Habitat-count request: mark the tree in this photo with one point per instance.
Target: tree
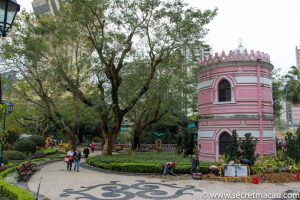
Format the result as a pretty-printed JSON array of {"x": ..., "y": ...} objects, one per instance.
[
  {"x": 124, "y": 32},
  {"x": 29, "y": 55},
  {"x": 233, "y": 148},
  {"x": 90, "y": 45},
  {"x": 248, "y": 147},
  {"x": 277, "y": 93},
  {"x": 292, "y": 145},
  {"x": 292, "y": 86},
  {"x": 163, "y": 95}
]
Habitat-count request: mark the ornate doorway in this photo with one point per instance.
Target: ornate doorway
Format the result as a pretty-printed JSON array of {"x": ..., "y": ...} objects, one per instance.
[{"x": 224, "y": 142}]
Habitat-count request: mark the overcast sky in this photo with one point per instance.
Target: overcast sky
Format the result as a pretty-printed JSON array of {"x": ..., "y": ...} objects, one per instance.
[{"x": 271, "y": 26}]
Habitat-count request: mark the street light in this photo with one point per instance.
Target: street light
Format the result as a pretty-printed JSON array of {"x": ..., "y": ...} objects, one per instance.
[
  {"x": 8, "y": 12},
  {"x": 8, "y": 108}
]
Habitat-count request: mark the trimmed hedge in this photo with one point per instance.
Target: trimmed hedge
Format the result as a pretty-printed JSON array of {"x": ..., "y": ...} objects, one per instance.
[
  {"x": 14, "y": 155},
  {"x": 38, "y": 140},
  {"x": 26, "y": 146},
  {"x": 10, "y": 191},
  {"x": 142, "y": 167}
]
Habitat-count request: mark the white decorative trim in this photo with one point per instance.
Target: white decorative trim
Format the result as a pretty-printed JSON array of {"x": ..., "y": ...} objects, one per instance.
[
  {"x": 205, "y": 134},
  {"x": 255, "y": 133},
  {"x": 253, "y": 80},
  {"x": 266, "y": 81},
  {"x": 204, "y": 84},
  {"x": 235, "y": 56},
  {"x": 225, "y": 102},
  {"x": 216, "y": 82},
  {"x": 217, "y": 151},
  {"x": 269, "y": 133},
  {"x": 246, "y": 79}
]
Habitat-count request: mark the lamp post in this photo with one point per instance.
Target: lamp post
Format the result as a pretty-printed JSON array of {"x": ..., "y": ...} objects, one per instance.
[
  {"x": 8, "y": 108},
  {"x": 8, "y": 12}
]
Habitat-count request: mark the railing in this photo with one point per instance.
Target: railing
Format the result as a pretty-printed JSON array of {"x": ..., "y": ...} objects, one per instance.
[{"x": 165, "y": 147}]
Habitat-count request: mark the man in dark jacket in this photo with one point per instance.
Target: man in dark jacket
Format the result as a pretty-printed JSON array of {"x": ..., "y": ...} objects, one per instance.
[
  {"x": 86, "y": 152},
  {"x": 77, "y": 157}
]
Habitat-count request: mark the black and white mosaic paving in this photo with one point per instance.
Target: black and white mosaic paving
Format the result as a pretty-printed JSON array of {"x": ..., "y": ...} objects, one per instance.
[{"x": 140, "y": 190}]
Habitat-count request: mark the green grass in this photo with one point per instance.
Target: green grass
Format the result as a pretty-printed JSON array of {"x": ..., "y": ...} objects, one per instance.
[
  {"x": 145, "y": 162},
  {"x": 146, "y": 157}
]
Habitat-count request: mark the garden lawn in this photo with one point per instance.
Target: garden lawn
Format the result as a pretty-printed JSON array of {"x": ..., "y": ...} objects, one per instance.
[
  {"x": 147, "y": 157},
  {"x": 145, "y": 162}
]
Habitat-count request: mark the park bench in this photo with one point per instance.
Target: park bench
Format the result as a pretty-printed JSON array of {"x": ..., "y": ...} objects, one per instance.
[
  {"x": 26, "y": 169},
  {"x": 31, "y": 166}
]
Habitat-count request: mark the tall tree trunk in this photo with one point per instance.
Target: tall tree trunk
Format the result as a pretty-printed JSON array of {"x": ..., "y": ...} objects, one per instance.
[
  {"x": 109, "y": 143},
  {"x": 71, "y": 137},
  {"x": 136, "y": 139}
]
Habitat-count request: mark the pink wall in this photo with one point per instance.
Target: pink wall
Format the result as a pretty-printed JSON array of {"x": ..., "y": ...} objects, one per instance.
[{"x": 242, "y": 111}]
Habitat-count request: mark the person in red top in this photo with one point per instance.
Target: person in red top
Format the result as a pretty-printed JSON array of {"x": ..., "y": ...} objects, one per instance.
[
  {"x": 93, "y": 145},
  {"x": 70, "y": 159},
  {"x": 169, "y": 167}
]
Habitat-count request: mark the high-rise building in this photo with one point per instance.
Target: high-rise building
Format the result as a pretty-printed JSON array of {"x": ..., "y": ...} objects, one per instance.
[
  {"x": 293, "y": 110},
  {"x": 298, "y": 56},
  {"x": 45, "y": 7}
]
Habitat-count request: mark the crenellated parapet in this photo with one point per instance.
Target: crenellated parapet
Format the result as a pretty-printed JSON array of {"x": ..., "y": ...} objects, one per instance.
[{"x": 235, "y": 56}]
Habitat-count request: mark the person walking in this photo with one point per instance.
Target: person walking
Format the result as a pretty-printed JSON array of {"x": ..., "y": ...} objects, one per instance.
[
  {"x": 93, "y": 145},
  {"x": 77, "y": 157},
  {"x": 86, "y": 152},
  {"x": 70, "y": 159}
]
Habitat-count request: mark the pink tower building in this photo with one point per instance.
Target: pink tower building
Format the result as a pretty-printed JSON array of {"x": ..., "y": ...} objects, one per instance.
[{"x": 235, "y": 93}]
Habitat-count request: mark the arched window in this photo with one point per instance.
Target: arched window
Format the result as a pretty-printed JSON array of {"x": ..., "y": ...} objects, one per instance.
[
  {"x": 224, "y": 91},
  {"x": 224, "y": 142}
]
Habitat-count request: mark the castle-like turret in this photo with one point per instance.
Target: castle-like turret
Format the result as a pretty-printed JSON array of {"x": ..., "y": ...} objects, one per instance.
[{"x": 235, "y": 93}]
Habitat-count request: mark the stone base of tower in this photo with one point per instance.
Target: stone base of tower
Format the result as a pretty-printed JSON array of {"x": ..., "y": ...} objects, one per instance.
[{"x": 210, "y": 149}]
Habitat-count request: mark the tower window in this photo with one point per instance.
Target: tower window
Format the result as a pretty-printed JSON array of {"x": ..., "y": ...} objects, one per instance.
[{"x": 224, "y": 91}]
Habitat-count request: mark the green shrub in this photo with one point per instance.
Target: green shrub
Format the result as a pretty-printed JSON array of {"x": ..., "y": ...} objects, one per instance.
[
  {"x": 292, "y": 145},
  {"x": 26, "y": 146},
  {"x": 96, "y": 139},
  {"x": 137, "y": 167},
  {"x": 38, "y": 140},
  {"x": 10, "y": 191},
  {"x": 12, "y": 135},
  {"x": 14, "y": 155}
]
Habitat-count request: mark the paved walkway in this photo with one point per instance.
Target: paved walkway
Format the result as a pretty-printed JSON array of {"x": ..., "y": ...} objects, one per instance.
[{"x": 59, "y": 184}]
